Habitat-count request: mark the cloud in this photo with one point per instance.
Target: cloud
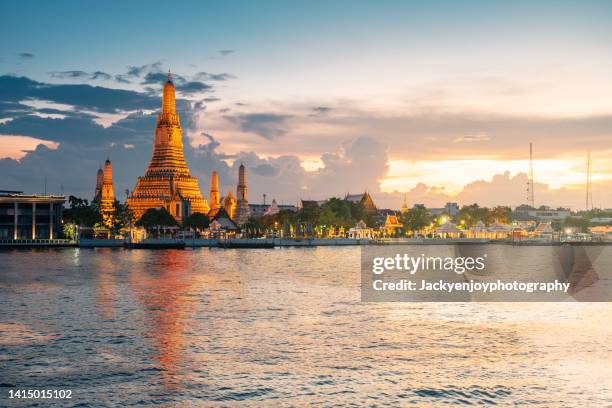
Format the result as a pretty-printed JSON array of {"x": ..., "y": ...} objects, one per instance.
[
  {"x": 267, "y": 125},
  {"x": 226, "y": 52},
  {"x": 101, "y": 75},
  {"x": 192, "y": 87},
  {"x": 25, "y": 55},
  {"x": 69, "y": 74},
  {"x": 478, "y": 137},
  {"x": 139, "y": 70},
  {"x": 82, "y": 96},
  {"x": 321, "y": 110},
  {"x": 223, "y": 76},
  {"x": 82, "y": 75}
]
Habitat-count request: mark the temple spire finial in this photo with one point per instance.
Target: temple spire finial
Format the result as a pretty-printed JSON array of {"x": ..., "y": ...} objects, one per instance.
[{"x": 169, "y": 75}]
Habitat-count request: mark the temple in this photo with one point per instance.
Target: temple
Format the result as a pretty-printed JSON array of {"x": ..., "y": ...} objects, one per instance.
[
  {"x": 107, "y": 195},
  {"x": 242, "y": 202},
  {"x": 215, "y": 198},
  {"x": 99, "y": 182},
  {"x": 167, "y": 182}
]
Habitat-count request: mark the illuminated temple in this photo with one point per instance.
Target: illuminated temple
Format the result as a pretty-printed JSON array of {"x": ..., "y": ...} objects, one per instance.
[{"x": 167, "y": 182}]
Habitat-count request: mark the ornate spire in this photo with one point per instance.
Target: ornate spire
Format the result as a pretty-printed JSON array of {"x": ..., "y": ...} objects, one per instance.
[{"x": 169, "y": 75}]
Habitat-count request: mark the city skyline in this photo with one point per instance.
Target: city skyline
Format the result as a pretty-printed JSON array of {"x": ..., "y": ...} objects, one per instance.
[{"x": 440, "y": 101}]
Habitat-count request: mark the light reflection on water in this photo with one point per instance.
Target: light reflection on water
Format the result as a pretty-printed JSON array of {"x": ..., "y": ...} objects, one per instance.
[{"x": 280, "y": 327}]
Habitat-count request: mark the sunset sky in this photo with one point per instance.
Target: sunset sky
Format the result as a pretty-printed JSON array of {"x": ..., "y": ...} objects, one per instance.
[{"x": 437, "y": 99}]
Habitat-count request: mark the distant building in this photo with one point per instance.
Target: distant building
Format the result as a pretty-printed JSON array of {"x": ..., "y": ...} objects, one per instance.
[
  {"x": 259, "y": 210},
  {"x": 451, "y": 209},
  {"x": 542, "y": 214},
  {"x": 272, "y": 209},
  {"x": 25, "y": 216}
]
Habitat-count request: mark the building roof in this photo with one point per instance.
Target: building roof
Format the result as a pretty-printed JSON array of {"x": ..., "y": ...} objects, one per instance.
[
  {"x": 224, "y": 221},
  {"x": 447, "y": 227},
  {"x": 18, "y": 196}
]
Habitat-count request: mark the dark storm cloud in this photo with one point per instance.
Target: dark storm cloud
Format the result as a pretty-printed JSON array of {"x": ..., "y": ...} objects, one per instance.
[
  {"x": 101, "y": 75},
  {"x": 122, "y": 79},
  {"x": 26, "y": 55},
  {"x": 77, "y": 74},
  {"x": 137, "y": 71},
  {"x": 267, "y": 125},
  {"x": 223, "y": 76},
  {"x": 157, "y": 78},
  {"x": 192, "y": 87},
  {"x": 82, "y": 96}
]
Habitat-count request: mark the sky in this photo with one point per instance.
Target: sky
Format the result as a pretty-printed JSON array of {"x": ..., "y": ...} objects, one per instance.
[{"x": 438, "y": 100}]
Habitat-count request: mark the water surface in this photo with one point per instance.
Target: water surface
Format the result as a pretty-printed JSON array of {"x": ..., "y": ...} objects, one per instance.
[{"x": 285, "y": 326}]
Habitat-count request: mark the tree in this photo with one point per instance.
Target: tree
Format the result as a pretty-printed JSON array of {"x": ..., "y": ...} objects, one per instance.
[
  {"x": 81, "y": 213},
  {"x": 471, "y": 214},
  {"x": 156, "y": 217},
  {"x": 415, "y": 219},
  {"x": 196, "y": 221},
  {"x": 253, "y": 228},
  {"x": 502, "y": 214}
]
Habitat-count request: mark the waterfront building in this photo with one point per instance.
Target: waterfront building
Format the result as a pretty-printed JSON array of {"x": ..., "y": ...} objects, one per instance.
[
  {"x": 215, "y": 198},
  {"x": 107, "y": 196},
  {"x": 448, "y": 230},
  {"x": 360, "y": 231},
  {"x": 542, "y": 214},
  {"x": 25, "y": 216},
  {"x": 242, "y": 198},
  {"x": 99, "y": 182},
  {"x": 391, "y": 225},
  {"x": 452, "y": 209},
  {"x": 167, "y": 182}
]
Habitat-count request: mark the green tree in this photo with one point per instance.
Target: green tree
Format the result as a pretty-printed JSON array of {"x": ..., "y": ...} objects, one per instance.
[
  {"x": 502, "y": 214},
  {"x": 81, "y": 213},
  {"x": 253, "y": 228},
  {"x": 471, "y": 214},
  {"x": 578, "y": 223},
  {"x": 415, "y": 219},
  {"x": 196, "y": 221},
  {"x": 155, "y": 218}
]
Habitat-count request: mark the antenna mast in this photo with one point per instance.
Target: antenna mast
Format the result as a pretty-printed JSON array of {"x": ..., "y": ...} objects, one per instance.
[
  {"x": 589, "y": 193},
  {"x": 530, "y": 186}
]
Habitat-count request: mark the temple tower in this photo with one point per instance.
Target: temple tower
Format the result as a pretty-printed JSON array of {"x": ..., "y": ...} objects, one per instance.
[
  {"x": 167, "y": 182},
  {"x": 99, "y": 182},
  {"x": 215, "y": 198},
  {"x": 229, "y": 205},
  {"x": 107, "y": 200},
  {"x": 242, "y": 197}
]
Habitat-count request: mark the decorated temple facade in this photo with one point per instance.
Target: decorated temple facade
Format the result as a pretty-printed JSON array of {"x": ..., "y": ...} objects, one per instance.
[
  {"x": 107, "y": 195},
  {"x": 167, "y": 182}
]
